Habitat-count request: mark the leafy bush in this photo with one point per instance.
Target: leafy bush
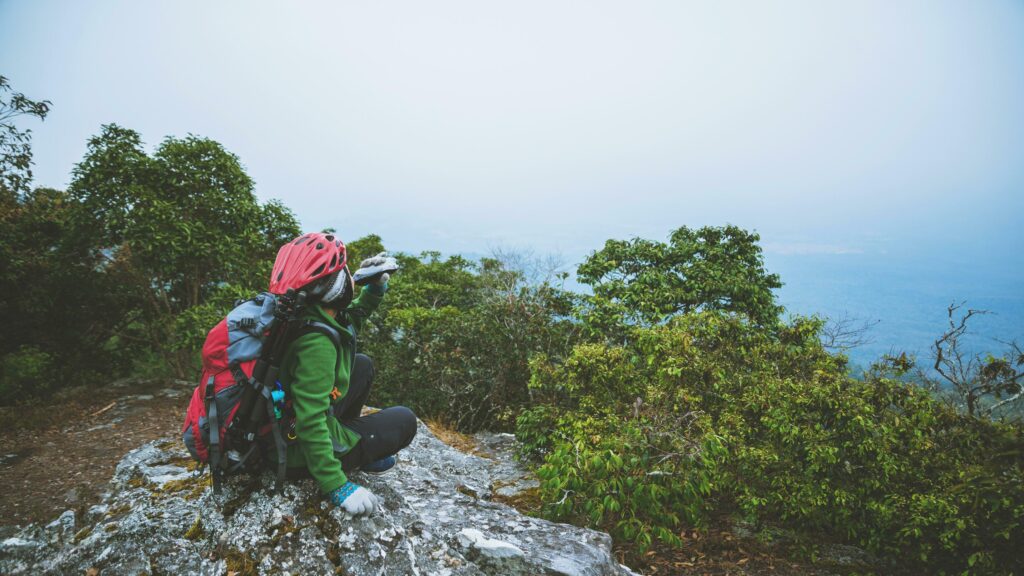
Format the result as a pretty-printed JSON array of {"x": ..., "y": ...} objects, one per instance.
[
  {"x": 24, "y": 370},
  {"x": 635, "y": 490},
  {"x": 611, "y": 462},
  {"x": 534, "y": 430},
  {"x": 877, "y": 462},
  {"x": 769, "y": 426}
]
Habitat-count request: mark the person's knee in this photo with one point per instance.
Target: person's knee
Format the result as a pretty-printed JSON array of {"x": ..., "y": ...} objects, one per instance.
[{"x": 406, "y": 422}]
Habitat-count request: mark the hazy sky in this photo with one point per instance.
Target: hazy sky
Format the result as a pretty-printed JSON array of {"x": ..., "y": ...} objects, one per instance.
[{"x": 830, "y": 127}]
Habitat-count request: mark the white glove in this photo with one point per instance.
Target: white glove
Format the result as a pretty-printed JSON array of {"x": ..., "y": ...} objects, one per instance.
[
  {"x": 376, "y": 270},
  {"x": 374, "y": 260},
  {"x": 354, "y": 499}
]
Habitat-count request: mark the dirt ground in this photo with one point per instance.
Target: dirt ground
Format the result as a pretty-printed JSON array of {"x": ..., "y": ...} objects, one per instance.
[
  {"x": 62, "y": 456},
  {"x": 716, "y": 551}
]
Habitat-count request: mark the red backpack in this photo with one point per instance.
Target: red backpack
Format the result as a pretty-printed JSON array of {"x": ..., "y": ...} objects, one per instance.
[{"x": 239, "y": 408}]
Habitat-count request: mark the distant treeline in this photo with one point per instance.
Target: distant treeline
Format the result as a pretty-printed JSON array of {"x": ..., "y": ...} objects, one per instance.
[{"x": 673, "y": 394}]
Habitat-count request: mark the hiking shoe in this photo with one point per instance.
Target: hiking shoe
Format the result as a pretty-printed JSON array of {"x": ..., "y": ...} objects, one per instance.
[{"x": 379, "y": 467}]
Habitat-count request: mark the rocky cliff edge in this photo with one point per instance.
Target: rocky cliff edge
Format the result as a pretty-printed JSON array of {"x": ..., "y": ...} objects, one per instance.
[{"x": 438, "y": 517}]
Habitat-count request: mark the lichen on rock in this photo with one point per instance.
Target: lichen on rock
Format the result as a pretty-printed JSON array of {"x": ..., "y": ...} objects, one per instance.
[{"x": 437, "y": 517}]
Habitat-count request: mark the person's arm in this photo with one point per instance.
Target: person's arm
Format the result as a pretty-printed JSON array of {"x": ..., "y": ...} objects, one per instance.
[
  {"x": 368, "y": 300},
  {"x": 311, "y": 387}
]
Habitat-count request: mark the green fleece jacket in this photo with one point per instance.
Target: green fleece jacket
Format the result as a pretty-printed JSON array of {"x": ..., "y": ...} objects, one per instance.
[{"x": 308, "y": 371}]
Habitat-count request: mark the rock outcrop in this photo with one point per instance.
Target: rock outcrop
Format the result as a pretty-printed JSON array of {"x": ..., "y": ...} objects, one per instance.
[{"x": 160, "y": 517}]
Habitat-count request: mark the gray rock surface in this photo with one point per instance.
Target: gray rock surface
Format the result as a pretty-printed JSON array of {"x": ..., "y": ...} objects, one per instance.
[
  {"x": 508, "y": 477},
  {"x": 437, "y": 518}
]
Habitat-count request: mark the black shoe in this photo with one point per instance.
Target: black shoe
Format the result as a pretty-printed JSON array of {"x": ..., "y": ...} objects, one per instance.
[{"x": 379, "y": 467}]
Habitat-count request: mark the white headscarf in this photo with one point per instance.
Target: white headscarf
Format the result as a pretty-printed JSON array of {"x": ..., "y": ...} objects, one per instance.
[{"x": 338, "y": 287}]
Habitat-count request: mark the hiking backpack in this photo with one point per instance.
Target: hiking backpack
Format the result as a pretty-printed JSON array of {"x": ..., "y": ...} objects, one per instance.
[{"x": 240, "y": 412}]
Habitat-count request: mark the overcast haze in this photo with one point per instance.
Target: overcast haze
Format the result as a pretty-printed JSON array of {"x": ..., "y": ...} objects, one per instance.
[{"x": 831, "y": 128}]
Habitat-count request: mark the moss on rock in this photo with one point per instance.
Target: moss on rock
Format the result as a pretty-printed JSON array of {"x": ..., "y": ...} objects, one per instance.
[{"x": 196, "y": 531}]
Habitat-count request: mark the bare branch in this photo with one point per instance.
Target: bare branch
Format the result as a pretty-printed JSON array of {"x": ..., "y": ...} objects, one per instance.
[
  {"x": 847, "y": 332},
  {"x": 1005, "y": 401},
  {"x": 982, "y": 386}
]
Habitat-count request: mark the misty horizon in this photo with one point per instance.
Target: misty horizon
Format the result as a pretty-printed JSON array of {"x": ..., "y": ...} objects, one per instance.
[{"x": 874, "y": 142}]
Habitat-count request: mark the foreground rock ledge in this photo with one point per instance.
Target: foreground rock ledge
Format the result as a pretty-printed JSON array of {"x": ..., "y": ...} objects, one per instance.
[{"x": 160, "y": 518}]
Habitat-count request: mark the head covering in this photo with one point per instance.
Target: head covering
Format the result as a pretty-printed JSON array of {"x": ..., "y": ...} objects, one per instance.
[
  {"x": 305, "y": 260},
  {"x": 337, "y": 286}
]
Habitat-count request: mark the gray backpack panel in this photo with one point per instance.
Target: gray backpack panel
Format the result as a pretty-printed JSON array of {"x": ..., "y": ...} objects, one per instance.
[{"x": 247, "y": 324}]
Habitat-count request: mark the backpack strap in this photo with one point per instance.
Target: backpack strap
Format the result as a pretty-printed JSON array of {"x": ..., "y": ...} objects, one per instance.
[
  {"x": 214, "y": 445},
  {"x": 351, "y": 330},
  {"x": 234, "y": 465},
  {"x": 282, "y": 447},
  {"x": 312, "y": 326}
]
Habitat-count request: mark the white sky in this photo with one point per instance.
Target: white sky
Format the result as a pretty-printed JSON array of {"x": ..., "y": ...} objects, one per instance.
[{"x": 830, "y": 127}]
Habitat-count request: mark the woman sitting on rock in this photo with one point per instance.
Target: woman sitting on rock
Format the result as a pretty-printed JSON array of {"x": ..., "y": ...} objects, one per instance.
[{"x": 329, "y": 384}]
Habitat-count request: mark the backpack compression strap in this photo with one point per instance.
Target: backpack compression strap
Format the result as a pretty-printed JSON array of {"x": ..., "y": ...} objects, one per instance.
[
  {"x": 282, "y": 448},
  {"x": 214, "y": 445},
  {"x": 233, "y": 465}
]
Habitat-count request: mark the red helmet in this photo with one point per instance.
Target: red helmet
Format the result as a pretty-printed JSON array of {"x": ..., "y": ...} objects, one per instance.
[{"x": 307, "y": 258}]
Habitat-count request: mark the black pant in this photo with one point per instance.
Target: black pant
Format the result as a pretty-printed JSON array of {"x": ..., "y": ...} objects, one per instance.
[{"x": 382, "y": 433}]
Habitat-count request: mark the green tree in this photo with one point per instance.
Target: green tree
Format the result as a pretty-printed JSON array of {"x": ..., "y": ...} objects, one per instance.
[
  {"x": 184, "y": 221},
  {"x": 644, "y": 282},
  {"x": 15, "y": 144},
  {"x": 61, "y": 302}
]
